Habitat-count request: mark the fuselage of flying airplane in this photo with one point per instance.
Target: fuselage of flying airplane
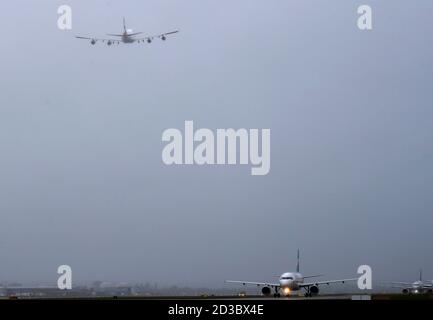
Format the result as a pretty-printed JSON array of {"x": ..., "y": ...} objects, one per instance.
[{"x": 126, "y": 38}]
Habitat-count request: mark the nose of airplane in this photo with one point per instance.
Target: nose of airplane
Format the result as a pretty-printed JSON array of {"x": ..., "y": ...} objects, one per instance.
[{"x": 286, "y": 282}]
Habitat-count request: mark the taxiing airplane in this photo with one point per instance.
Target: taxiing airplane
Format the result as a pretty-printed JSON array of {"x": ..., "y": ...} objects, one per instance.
[
  {"x": 414, "y": 287},
  {"x": 128, "y": 36},
  {"x": 292, "y": 281}
]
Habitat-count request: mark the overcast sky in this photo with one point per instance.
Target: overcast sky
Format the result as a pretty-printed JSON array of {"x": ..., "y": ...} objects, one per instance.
[{"x": 350, "y": 112}]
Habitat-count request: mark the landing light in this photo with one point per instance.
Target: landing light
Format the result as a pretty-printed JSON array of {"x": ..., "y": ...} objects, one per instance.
[{"x": 286, "y": 291}]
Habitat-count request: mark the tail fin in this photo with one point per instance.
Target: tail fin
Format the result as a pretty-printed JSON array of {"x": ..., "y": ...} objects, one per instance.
[
  {"x": 420, "y": 274},
  {"x": 124, "y": 24},
  {"x": 297, "y": 265}
]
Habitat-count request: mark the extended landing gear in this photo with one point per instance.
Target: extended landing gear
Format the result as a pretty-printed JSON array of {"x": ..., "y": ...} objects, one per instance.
[
  {"x": 277, "y": 294},
  {"x": 311, "y": 291},
  {"x": 308, "y": 293}
]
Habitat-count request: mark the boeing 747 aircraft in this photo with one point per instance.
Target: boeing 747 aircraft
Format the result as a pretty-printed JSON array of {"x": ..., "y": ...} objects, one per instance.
[{"x": 128, "y": 36}]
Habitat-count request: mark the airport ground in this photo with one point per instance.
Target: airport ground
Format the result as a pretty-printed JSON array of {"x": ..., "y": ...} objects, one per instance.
[{"x": 246, "y": 297}]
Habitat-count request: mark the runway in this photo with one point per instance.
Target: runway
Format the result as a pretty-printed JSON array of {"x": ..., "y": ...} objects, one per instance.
[
  {"x": 208, "y": 298},
  {"x": 324, "y": 297}
]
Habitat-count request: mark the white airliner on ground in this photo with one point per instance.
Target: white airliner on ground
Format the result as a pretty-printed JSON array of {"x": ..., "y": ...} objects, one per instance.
[
  {"x": 414, "y": 287},
  {"x": 128, "y": 37},
  {"x": 292, "y": 281}
]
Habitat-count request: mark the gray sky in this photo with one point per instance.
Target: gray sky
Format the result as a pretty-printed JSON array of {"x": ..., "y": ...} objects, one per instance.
[{"x": 81, "y": 176}]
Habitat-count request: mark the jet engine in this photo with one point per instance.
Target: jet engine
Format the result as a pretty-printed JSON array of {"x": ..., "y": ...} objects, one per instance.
[
  {"x": 266, "y": 291},
  {"x": 314, "y": 290},
  {"x": 93, "y": 41},
  {"x": 405, "y": 291},
  {"x": 163, "y": 38}
]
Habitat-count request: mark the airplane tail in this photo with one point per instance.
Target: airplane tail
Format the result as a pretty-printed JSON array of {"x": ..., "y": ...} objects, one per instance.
[
  {"x": 309, "y": 276},
  {"x": 420, "y": 274},
  {"x": 124, "y": 24}
]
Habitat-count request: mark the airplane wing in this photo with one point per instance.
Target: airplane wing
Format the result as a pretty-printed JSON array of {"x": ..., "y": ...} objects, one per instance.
[
  {"x": 326, "y": 282},
  {"x": 121, "y": 35},
  {"x": 149, "y": 39},
  {"x": 161, "y": 36},
  {"x": 94, "y": 40},
  {"x": 134, "y": 34},
  {"x": 313, "y": 276},
  {"x": 259, "y": 284},
  {"x": 402, "y": 283},
  {"x": 409, "y": 284},
  {"x": 400, "y": 286}
]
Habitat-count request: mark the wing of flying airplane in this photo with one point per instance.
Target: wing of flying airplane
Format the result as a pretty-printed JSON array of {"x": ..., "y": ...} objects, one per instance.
[
  {"x": 121, "y": 35},
  {"x": 94, "y": 40},
  {"x": 149, "y": 39},
  {"x": 161, "y": 36}
]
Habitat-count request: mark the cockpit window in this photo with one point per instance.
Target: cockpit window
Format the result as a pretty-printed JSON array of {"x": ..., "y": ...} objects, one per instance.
[{"x": 287, "y": 278}]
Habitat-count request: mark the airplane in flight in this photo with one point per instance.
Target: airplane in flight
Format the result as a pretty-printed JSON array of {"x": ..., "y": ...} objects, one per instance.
[
  {"x": 292, "y": 281},
  {"x": 414, "y": 287},
  {"x": 128, "y": 36}
]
